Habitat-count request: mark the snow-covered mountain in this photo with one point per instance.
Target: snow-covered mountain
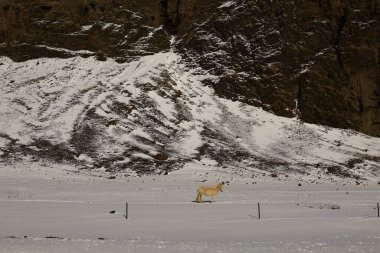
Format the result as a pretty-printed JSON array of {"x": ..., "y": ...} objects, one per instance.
[
  {"x": 270, "y": 54},
  {"x": 148, "y": 86},
  {"x": 154, "y": 115}
]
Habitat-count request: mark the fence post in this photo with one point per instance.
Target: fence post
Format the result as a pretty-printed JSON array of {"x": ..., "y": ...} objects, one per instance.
[
  {"x": 258, "y": 208},
  {"x": 126, "y": 210}
]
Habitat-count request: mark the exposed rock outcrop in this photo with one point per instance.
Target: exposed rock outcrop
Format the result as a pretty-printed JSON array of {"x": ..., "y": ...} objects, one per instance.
[
  {"x": 318, "y": 60},
  {"x": 324, "y": 55},
  {"x": 31, "y": 29}
]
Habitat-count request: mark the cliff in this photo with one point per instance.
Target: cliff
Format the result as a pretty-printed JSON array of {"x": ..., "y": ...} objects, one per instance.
[
  {"x": 149, "y": 86},
  {"x": 323, "y": 54}
]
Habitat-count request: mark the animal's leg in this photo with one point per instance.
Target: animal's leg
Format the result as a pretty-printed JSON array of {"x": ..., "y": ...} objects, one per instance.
[{"x": 198, "y": 198}]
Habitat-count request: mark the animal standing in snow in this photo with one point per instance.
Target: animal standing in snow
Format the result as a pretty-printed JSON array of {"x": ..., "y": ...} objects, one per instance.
[{"x": 209, "y": 191}]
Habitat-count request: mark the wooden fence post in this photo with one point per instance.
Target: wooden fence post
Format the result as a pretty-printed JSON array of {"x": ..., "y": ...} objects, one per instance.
[
  {"x": 258, "y": 208},
  {"x": 126, "y": 211}
]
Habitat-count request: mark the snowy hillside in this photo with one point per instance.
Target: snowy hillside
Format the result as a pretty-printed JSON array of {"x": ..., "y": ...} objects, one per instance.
[{"x": 156, "y": 115}]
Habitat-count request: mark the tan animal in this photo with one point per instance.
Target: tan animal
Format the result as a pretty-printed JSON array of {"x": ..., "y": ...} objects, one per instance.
[{"x": 209, "y": 191}]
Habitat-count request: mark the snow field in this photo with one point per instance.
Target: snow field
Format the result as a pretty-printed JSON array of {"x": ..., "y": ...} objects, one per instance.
[{"x": 38, "y": 202}]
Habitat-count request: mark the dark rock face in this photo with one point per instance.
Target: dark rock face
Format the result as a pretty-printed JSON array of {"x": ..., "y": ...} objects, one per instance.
[
  {"x": 324, "y": 55},
  {"x": 31, "y": 29},
  {"x": 315, "y": 59}
]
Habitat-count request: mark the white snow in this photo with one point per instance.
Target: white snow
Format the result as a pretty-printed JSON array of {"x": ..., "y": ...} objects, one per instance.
[
  {"x": 191, "y": 142},
  {"x": 53, "y": 209},
  {"x": 45, "y": 98},
  {"x": 166, "y": 106},
  {"x": 66, "y": 50},
  {"x": 227, "y": 4},
  {"x": 140, "y": 132},
  {"x": 86, "y": 27}
]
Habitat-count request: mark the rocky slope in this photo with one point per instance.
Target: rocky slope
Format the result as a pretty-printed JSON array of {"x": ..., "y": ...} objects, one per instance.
[
  {"x": 154, "y": 115},
  {"x": 322, "y": 54},
  {"x": 125, "y": 85}
]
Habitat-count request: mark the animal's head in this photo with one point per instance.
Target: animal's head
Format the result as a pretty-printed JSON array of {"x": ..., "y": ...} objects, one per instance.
[{"x": 220, "y": 186}]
